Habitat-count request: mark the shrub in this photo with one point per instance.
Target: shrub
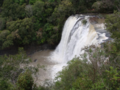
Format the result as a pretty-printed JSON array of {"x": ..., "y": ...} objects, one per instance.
[
  {"x": 25, "y": 81},
  {"x": 84, "y": 22},
  {"x": 90, "y": 73}
]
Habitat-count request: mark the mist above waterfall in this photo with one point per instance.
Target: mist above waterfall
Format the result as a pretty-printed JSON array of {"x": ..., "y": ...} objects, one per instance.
[{"x": 75, "y": 36}]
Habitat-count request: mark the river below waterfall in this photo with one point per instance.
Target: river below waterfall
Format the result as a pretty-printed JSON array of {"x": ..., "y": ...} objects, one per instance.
[
  {"x": 41, "y": 59},
  {"x": 75, "y": 36}
]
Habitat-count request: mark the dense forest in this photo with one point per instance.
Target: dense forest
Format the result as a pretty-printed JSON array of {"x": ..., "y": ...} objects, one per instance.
[{"x": 25, "y": 22}]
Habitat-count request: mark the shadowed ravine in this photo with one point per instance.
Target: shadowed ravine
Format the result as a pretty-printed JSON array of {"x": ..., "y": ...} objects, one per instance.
[{"x": 75, "y": 36}]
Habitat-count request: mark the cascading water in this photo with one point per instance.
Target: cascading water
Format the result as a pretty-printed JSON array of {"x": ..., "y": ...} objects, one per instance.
[{"x": 76, "y": 36}]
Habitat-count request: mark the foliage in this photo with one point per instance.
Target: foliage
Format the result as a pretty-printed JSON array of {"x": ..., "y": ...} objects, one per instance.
[
  {"x": 15, "y": 73},
  {"x": 97, "y": 5},
  {"x": 112, "y": 24},
  {"x": 92, "y": 73},
  {"x": 20, "y": 32},
  {"x": 12, "y": 10},
  {"x": 29, "y": 10},
  {"x": 38, "y": 21},
  {"x": 84, "y": 22},
  {"x": 23, "y": 22},
  {"x": 1, "y": 2},
  {"x": 21, "y": 1},
  {"x": 115, "y": 4},
  {"x": 2, "y": 23},
  {"x": 25, "y": 81},
  {"x": 102, "y": 6},
  {"x": 5, "y": 85},
  {"x": 10, "y": 65}
]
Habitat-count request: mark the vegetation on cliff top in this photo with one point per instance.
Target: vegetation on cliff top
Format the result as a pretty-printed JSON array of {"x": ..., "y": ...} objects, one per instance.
[{"x": 23, "y": 22}]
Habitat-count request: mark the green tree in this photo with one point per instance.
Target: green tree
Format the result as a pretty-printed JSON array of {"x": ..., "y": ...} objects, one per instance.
[
  {"x": 6, "y": 85},
  {"x": 25, "y": 81},
  {"x": 112, "y": 3},
  {"x": 1, "y": 2},
  {"x": 12, "y": 10},
  {"x": 22, "y": 31},
  {"x": 10, "y": 65},
  {"x": 2, "y": 23},
  {"x": 112, "y": 24},
  {"x": 93, "y": 72},
  {"x": 38, "y": 10}
]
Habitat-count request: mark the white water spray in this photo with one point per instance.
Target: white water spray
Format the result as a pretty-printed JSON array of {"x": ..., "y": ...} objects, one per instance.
[{"x": 76, "y": 36}]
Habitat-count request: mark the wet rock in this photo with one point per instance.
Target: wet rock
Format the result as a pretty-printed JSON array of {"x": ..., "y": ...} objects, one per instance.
[{"x": 35, "y": 60}]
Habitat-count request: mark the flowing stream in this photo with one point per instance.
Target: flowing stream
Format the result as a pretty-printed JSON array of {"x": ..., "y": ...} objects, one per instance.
[{"x": 79, "y": 31}]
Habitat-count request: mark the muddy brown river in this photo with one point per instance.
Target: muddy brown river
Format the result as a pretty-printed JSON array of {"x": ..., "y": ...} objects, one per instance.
[{"x": 42, "y": 60}]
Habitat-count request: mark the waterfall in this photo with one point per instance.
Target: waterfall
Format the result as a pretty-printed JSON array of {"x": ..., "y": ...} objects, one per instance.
[{"x": 76, "y": 36}]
